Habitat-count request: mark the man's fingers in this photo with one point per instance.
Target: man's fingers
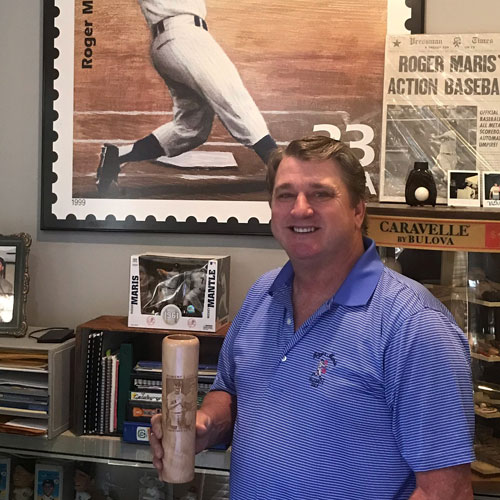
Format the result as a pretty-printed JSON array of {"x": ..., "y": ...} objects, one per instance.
[{"x": 156, "y": 428}]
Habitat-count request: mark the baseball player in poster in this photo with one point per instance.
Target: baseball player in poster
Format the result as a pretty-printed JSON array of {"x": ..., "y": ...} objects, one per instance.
[{"x": 202, "y": 82}]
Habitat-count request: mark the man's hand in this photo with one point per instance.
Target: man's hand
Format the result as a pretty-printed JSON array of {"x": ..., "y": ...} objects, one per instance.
[
  {"x": 203, "y": 422},
  {"x": 155, "y": 437}
]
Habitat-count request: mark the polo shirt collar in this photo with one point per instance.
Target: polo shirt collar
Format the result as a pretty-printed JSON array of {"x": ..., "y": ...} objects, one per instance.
[{"x": 356, "y": 289}]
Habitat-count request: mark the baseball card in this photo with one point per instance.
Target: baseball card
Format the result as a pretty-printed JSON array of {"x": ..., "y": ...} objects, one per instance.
[
  {"x": 48, "y": 482},
  {"x": 168, "y": 110},
  {"x": 4, "y": 478}
]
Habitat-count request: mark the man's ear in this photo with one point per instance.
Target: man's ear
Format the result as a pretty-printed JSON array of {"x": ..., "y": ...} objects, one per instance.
[{"x": 359, "y": 213}]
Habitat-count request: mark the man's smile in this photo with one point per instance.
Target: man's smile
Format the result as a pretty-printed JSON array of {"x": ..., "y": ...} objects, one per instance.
[{"x": 296, "y": 229}]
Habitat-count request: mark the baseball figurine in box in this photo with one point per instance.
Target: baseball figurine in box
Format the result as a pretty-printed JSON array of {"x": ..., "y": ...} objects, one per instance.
[{"x": 179, "y": 292}]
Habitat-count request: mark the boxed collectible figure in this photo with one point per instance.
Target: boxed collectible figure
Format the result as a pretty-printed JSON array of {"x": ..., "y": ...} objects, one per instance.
[{"x": 179, "y": 292}]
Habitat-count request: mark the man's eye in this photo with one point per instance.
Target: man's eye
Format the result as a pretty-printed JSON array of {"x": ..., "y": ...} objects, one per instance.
[
  {"x": 284, "y": 196},
  {"x": 323, "y": 194}
]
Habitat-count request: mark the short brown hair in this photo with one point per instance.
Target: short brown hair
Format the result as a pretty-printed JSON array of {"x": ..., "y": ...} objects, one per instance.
[{"x": 319, "y": 147}]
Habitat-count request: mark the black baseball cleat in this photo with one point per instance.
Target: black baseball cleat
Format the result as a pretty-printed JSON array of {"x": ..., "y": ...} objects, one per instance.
[{"x": 108, "y": 169}]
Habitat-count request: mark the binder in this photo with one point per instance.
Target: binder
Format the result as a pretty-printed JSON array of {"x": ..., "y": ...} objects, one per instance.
[{"x": 124, "y": 372}]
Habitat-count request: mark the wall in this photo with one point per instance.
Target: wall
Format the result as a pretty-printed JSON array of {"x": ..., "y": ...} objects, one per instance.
[{"x": 76, "y": 275}]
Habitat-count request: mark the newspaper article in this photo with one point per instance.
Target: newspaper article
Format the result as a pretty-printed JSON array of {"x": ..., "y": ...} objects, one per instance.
[{"x": 442, "y": 106}]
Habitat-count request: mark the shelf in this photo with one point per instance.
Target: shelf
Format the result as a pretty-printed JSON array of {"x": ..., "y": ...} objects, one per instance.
[
  {"x": 434, "y": 228},
  {"x": 487, "y": 415},
  {"x": 438, "y": 212},
  {"x": 488, "y": 359},
  {"x": 484, "y": 302},
  {"x": 103, "y": 449},
  {"x": 119, "y": 324}
]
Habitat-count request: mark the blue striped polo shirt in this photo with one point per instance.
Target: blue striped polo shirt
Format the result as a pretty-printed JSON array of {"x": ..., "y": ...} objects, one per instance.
[{"x": 374, "y": 386}]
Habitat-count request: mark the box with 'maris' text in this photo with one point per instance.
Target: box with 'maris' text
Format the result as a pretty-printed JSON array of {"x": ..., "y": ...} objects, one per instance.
[{"x": 179, "y": 292}]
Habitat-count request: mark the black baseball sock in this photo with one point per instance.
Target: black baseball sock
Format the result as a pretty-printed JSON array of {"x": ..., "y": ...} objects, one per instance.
[
  {"x": 265, "y": 147},
  {"x": 147, "y": 148}
]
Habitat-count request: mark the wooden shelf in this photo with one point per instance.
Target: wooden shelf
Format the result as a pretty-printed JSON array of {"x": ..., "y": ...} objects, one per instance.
[
  {"x": 438, "y": 212},
  {"x": 119, "y": 324},
  {"x": 434, "y": 228}
]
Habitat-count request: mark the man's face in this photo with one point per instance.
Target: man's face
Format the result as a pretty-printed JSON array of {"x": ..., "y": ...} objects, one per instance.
[
  {"x": 82, "y": 480},
  {"x": 312, "y": 216},
  {"x": 48, "y": 489},
  {"x": 22, "y": 478}
]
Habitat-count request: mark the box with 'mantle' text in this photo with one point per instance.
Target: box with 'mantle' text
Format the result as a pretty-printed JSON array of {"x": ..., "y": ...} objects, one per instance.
[{"x": 179, "y": 292}]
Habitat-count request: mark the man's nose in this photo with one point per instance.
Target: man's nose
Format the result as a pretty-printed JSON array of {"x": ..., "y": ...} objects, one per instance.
[{"x": 301, "y": 207}]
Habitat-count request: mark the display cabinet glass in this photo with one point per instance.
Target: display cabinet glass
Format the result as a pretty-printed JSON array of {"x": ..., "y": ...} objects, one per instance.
[{"x": 468, "y": 284}]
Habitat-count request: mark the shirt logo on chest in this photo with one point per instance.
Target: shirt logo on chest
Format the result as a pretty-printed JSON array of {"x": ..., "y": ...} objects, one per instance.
[{"x": 325, "y": 361}]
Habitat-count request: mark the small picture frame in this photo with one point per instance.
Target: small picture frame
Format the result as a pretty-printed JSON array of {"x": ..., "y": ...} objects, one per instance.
[
  {"x": 464, "y": 188},
  {"x": 4, "y": 478},
  {"x": 48, "y": 482},
  {"x": 491, "y": 189}
]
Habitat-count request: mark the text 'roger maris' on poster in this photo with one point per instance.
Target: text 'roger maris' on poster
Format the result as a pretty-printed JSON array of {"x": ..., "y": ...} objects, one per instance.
[
  {"x": 441, "y": 106},
  {"x": 186, "y": 99}
]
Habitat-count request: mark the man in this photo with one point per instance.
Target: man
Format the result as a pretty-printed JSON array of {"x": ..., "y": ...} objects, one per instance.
[
  {"x": 495, "y": 192},
  {"x": 202, "y": 82},
  {"x": 48, "y": 487},
  {"x": 447, "y": 158},
  {"x": 176, "y": 405},
  {"x": 85, "y": 487},
  {"x": 341, "y": 378},
  {"x": 6, "y": 295}
]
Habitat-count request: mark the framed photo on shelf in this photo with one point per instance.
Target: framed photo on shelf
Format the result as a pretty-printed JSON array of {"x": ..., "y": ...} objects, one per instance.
[
  {"x": 491, "y": 189},
  {"x": 464, "y": 188},
  {"x": 14, "y": 283},
  {"x": 133, "y": 141}
]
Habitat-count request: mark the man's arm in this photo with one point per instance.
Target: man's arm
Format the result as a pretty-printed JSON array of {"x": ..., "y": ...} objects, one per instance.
[
  {"x": 450, "y": 483},
  {"x": 214, "y": 424}
]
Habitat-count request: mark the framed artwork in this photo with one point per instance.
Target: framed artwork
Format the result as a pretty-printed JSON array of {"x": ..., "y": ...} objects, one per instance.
[
  {"x": 435, "y": 112},
  {"x": 14, "y": 283},
  {"x": 160, "y": 120},
  {"x": 464, "y": 188},
  {"x": 491, "y": 189}
]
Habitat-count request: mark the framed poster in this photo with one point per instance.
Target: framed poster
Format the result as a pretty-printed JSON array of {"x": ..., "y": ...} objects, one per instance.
[
  {"x": 160, "y": 118},
  {"x": 441, "y": 106}
]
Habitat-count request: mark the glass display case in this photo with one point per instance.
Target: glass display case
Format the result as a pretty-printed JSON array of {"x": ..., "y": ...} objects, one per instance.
[
  {"x": 468, "y": 284},
  {"x": 123, "y": 471}
]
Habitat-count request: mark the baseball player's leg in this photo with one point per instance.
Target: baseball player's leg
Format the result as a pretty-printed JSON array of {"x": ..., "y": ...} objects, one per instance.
[
  {"x": 199, "y": 62},
  {"x": 190, "y": 127},
  {"x": 191, "y": 124}
]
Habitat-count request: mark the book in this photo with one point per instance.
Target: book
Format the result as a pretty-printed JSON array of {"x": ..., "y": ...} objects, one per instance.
[
  {"x": 23, "y": 390},
  {"x": 145, "y": 396},
  {"x": 125, "y": 355},
  {"x": 102, "y": 401},
  {"x": 6, "y": 396},
  {"x": 96, "y": 339},
  {"x": 113, "y": 393},
  {"x": 81, "y": 424},
  {"x": 148, "y": 366},
  {"x": 107, "y": 392},
  {"x": 24, "y": 405},
  {"x": 136, "y": 432},
  {"x": 142, "y": 411}
]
